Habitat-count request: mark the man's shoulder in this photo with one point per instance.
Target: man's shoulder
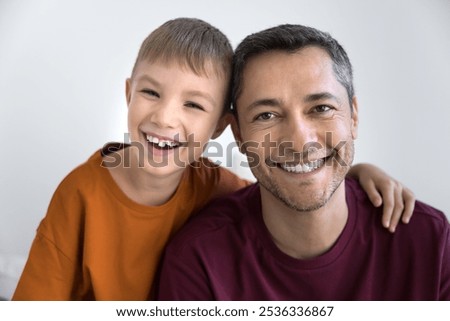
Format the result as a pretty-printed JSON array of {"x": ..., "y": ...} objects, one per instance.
[
  {"x": 425, "y": 212},
  {"x": 424, "y": 216},
  {"x": 219, "y": 218},
  {"x": 236, "y": 203}
]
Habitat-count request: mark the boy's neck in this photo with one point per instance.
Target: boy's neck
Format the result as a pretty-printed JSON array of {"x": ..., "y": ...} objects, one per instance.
[{"x": 144, "y": 188}]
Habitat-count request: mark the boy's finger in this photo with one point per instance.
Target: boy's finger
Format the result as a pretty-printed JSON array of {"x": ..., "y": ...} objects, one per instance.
[
  {"x": 399, "y": 206},
  {"x": 373, "y": 193},
  {"x": 388, "y": 207},
  {"x": 410, "y": 202}
]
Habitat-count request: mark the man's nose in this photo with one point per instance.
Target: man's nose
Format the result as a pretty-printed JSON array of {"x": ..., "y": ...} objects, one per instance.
[{"x": 301, "y": 135}]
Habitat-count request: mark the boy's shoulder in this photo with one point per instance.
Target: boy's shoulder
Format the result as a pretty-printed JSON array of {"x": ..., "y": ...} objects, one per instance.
[
  {"x": 88, "y": 174},
  {"x": 209, "y": 176}
]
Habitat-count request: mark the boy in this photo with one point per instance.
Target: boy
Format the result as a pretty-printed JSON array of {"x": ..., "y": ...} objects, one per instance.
[{"x": 110, "y": 219}]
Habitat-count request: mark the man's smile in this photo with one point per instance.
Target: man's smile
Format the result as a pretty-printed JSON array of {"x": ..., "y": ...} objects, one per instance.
[{"x": 303, "y": 168}]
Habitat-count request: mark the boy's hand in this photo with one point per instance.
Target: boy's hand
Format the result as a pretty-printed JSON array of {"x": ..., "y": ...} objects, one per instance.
[{"x": 381, "y": 188}]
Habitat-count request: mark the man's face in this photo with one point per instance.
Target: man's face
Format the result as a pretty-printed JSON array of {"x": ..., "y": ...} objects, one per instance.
[{"x": 296, "y": 125}]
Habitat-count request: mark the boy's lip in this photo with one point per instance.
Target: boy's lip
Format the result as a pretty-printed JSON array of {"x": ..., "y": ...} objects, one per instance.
[{"x": 166, "y": 139}]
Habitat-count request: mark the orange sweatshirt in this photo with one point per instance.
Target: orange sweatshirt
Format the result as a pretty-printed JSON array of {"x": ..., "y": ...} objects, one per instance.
[{"x": 97, "y": 244}]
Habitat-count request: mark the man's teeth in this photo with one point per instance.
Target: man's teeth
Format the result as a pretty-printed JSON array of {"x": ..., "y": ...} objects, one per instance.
[
  {"x": 161, "y": 142},
  {"x": 303, "y": 168}
]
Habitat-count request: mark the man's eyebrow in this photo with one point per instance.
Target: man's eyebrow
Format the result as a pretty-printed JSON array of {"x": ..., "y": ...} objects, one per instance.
[
  {"x": 264, "y": 102},
  {"x": 321, "y": 96},
  {"x": 271, "y": 102}
]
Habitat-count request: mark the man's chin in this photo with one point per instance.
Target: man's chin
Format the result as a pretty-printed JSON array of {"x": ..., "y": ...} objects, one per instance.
[{"x": 306, "y": 205}]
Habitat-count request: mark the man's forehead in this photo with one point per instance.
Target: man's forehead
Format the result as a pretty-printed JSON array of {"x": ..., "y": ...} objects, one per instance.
[
  {"x": 288, "y": 67},
  {"x": 308, "y": 53},
  {"x": 307, "y": 67},
  {"x": 303, "y": 75}
]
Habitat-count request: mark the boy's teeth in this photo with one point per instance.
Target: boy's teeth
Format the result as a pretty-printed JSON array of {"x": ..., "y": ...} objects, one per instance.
[
  {"x": 160, "y": 142},
  {"x": 303, "y": 168}
]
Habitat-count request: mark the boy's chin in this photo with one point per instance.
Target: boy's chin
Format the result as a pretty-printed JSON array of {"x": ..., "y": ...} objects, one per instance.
[{"x": 163, "y": 170}]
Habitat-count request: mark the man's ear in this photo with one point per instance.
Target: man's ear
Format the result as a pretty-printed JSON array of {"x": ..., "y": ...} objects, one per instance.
[
  {"x": 223, "y": 122},
  {"x": 355, "y": 119},
  {"x": 237, "y": 132},
  {"x": 128, "y": 90}
]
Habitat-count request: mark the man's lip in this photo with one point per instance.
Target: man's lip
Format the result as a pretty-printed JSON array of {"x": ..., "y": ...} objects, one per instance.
[
  {"x": 293, "y": 161},
  {"x": 305, "y": 168}
]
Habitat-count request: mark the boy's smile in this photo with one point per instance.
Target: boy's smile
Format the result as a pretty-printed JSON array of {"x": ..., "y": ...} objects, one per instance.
[
  {"x": 161, "y": 146},
  {"x": 172, "y": 113},
  {"x": 161, "y": 142}
]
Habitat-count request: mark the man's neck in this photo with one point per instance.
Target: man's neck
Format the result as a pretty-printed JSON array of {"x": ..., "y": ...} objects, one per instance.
[{"x": 305, "y": 235}]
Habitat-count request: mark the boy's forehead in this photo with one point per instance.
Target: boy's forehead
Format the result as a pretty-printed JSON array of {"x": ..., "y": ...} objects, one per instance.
[{"x": 207, "y": 68}]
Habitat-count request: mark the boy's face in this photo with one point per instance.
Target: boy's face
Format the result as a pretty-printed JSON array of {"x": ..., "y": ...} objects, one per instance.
[{"x": 172, "y": 114}]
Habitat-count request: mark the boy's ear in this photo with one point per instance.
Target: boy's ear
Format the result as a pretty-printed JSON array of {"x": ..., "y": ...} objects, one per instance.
[
  {"x": 223, "y": 122},
  {"x": 128, "y": 90}
]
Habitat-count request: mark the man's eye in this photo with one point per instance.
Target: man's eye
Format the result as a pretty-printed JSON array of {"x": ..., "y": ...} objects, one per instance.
[
  {"x": 150, "y": 92},
  {"x": 265, "y": 116},
  {"x": 194, "y": 105},
  {"x": 322, "y": 108}
]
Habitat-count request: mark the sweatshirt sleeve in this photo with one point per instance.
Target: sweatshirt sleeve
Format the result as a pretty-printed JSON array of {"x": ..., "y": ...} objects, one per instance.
[
  {"x": 51, "y": 271},
  {"x": 46, "y": 273}
]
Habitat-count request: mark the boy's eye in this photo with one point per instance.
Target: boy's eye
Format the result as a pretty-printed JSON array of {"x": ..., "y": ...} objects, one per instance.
[
  {"x": 150, "y": 92},
  {"x": 194, "y": 105},
  {"x": 265, "y": 116}
]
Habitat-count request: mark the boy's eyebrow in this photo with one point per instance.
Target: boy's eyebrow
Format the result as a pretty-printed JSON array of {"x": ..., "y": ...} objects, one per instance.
[
  {"x": 197, "y": 93},
  {"x": 202, "y": 94},
  {"x": 148, "y": 78}
]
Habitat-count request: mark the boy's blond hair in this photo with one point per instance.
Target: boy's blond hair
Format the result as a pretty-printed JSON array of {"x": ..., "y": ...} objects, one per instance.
[{"x": 191, "y": 42}]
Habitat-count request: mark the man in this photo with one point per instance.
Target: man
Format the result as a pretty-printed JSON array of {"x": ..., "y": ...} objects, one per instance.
[{"x": 303, "y": 232}]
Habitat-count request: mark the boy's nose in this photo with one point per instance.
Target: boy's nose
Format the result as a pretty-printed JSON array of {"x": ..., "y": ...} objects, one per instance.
[{"x": 165, "y": 115}]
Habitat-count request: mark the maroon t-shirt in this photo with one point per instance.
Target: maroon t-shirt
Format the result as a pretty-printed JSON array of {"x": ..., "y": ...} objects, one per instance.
[{"x": 226, "y": 253}]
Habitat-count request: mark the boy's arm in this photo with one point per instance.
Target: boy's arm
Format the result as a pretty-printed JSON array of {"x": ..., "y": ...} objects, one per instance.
[
  {"x": 51, "y": 273},
  {"x": 382, "y": 189},
  {"x": 45, "y": 274}
]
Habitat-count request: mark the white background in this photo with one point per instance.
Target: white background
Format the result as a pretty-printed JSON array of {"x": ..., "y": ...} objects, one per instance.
[{"x": 63, "y": 66}]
